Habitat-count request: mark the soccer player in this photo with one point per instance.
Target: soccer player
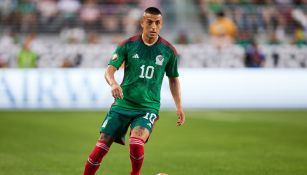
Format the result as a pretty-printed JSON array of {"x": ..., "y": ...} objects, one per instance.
[{"x": 147, "y": 58}]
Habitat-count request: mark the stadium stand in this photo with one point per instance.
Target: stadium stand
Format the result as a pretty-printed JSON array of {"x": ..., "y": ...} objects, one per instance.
[
  {"x": 192, "y": 55},
  {"x": 73, "y": 33}
]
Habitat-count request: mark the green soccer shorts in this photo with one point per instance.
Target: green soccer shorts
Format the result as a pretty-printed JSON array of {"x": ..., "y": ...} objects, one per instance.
[{"x": 118, "y": 120}]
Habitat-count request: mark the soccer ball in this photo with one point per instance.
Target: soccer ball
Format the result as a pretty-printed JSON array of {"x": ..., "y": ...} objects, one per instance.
[{"x": 161, "y": 174}]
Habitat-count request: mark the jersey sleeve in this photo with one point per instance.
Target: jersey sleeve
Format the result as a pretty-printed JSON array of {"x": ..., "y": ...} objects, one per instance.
[
  {"x": 171, "y": 67},
  {"x": 118, "y": 56}
]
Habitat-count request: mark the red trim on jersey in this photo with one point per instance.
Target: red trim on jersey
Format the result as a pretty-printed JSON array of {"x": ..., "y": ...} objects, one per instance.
[
  {"x": 169, "y": 45},
  {"x": 131, "y": 39}
]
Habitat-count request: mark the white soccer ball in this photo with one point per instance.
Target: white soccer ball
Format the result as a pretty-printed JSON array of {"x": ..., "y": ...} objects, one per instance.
[{"x": 161, "y": 174}]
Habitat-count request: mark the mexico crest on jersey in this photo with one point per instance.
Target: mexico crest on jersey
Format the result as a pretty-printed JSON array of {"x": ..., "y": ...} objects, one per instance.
[{"x": 159, "y": 60}]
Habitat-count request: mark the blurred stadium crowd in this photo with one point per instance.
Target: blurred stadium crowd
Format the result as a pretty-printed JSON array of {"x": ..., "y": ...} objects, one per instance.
[{"x": 84, "y": 33}]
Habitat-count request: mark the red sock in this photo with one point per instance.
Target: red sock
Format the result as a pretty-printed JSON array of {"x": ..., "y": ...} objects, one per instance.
[
  {"x": 94, "y": 159},
  {"x": 136, "y": 155}
]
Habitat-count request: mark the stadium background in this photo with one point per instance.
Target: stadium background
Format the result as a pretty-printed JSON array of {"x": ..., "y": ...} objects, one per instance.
[{"x": 243, "y": 78}]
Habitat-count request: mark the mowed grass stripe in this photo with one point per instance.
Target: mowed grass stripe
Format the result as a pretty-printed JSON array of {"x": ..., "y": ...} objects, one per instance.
[{"x": 211, "y": 142}]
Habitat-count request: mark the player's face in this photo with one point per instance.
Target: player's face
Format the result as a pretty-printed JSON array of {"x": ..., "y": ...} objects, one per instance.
[{"x": 151, "y": 25}]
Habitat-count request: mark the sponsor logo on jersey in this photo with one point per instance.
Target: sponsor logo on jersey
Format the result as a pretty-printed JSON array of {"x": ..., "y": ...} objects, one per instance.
[
  {"x": 136, "y": 56},
  {"x": 115, "y": 56},
  {"x": 159, "y": 60}
]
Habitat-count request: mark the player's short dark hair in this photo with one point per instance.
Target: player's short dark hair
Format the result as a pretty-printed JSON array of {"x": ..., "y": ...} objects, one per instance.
[{"x": 153, "y": 11}]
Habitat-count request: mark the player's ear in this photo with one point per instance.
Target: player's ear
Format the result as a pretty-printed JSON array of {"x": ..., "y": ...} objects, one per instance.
[
  {"x": 161, "y": 21},
  {"x": 142, "y": 22}
]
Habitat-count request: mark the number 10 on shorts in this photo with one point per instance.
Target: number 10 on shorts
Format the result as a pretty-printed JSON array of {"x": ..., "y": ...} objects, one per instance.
[{"x": 151, "y": 117}]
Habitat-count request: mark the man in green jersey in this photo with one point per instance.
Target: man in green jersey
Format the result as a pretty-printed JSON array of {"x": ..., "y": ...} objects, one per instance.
[{"x": 147, "y": 58}]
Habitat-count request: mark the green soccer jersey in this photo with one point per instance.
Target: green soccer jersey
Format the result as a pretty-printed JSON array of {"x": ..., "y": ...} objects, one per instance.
[{"x": 144, "y": 71}]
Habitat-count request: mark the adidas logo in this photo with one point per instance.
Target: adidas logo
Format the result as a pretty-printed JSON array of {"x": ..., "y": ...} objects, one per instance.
[{"x": 136, "y": 56}]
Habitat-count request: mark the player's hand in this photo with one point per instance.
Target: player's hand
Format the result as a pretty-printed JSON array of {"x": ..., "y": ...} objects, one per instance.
[
  {"x": 117, "y": 91},
  {"x": 181, "y": 117}
]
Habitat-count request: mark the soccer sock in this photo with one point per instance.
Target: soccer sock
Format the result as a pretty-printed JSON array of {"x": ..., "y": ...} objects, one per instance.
[
  {"x": 136, "y": 155},
  {"x": 95, "y": 158}
]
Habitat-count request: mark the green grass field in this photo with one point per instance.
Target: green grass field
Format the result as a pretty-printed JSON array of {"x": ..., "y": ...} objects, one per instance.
[{"x": 211, "y": 143}]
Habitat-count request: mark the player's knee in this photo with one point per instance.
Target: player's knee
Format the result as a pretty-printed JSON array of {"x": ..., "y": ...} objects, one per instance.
[
  {"x": 140, "y": 132},
  {"x": 106, "y": 138}
]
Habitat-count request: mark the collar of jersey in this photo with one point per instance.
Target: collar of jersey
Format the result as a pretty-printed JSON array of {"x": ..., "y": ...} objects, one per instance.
[{"x": 152, "y": 43}]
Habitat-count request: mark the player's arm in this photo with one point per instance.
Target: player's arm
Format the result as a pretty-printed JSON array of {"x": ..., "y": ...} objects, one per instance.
[
  {"x": 117, "y": 91},
  {"x": 175, "y": 90}
]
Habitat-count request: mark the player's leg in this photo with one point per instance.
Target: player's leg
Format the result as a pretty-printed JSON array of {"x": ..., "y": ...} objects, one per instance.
[
  {"x": 114, "y": 126},
  {"x": 137, "y": 140},
  {"x": 100, "y": 150},
  {"x": 141, "y": 129}
]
